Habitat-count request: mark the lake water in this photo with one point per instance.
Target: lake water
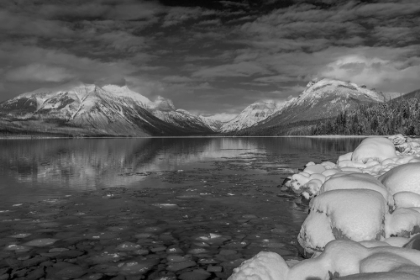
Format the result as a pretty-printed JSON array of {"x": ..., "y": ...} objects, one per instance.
[{"x": 161, "y": 208}]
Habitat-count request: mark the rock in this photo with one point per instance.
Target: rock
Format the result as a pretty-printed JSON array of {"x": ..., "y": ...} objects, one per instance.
[
  {"x": 41, "y": 242},
  {"x": 128, "y": 246},
  {"x": 70, "y": 272},
  {"x": 195, "y": 275},
  {"x": 225, "y": 252},
  {"x": 136, "y": 267},
  {"x": 212, "y": 268},
  {"x": 180, "y": 265}
]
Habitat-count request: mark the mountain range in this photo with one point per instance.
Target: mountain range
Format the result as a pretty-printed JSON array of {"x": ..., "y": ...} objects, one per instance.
[{"x": 78, "y": 109}]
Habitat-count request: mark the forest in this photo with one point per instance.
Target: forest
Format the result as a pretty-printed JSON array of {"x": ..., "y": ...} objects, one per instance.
[{"x": 400, "y": 115}]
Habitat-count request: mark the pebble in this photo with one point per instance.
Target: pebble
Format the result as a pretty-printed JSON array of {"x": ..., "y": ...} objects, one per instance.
[
  {"x": 195, "y": 275},
  {"x": 175, "y": 266},
  {"x": 40, "y": 242},
  {"x": 128, "y": 246},
  {"x": 211, "y": 268}
]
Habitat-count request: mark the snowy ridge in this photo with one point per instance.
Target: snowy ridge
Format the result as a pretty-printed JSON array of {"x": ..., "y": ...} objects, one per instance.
[
  {"x": 125, "y": 92},
  {"x": 165, "y": 110},
  {"x": 251, "y": 115},
  {"x": 214, "y": 124},
  {"x": 90, "y": 109},
  {"x": 317, "y": 89},
  {"x": 322, "y": 98}
]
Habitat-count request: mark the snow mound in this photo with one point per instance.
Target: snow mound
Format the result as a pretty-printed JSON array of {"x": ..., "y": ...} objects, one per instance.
[
  {"x": 403, "y": 178},
  {"x": 377, "y": 148},
  {"x": 342, "y": 260},
  {"x": 356, "y": 181},
  {"x": 263, "y": 266},
  {"x": 356, "y": 214}
]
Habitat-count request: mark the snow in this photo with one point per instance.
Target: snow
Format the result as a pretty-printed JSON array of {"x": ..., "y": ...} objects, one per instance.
[
  {"x": 363, "y": 210},
  {"x": 263, "y": 266},
  {"x": 352, "y": 214},
  {"x": 126, "y": 92},
  {"x": 403, "y": 178},
  {"x": 375, "y": 148},
  {"x": 316, "y": 89},
  {"x": 344, "y": 258},
  {"x": 251, "y": 115}
]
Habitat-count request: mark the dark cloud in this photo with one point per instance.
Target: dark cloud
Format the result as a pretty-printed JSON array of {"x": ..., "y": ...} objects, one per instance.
[{"x": 209, "y": 56}]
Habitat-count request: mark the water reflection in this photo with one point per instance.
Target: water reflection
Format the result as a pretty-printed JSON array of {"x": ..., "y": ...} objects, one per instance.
[{"x": 93, "y": 163}]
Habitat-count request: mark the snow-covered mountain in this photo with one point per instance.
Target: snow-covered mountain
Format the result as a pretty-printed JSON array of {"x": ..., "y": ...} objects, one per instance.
[
  {"x": 87, "y": 109},
  {"x": 250, "y": 116},
  {"x": 212, "y": 122},
  {"x": 322, "y": 98},
  {"x": 165, "y": 110}
]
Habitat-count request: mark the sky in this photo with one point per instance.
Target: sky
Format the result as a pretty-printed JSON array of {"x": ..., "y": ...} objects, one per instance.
[{"x": 209, "y": 56}]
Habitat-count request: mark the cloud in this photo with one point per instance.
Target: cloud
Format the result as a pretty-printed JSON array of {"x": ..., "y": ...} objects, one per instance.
[
  {"x": 177, "y": 79},
  {"x": 277, "y": 79},
  {"x": 384, "y": 68},
  {"x": 177, "y": 15},
  {"x": 39, "y": 73},
  {"x": 123, "y": 41},
  {"x": 241, "y": 69}
]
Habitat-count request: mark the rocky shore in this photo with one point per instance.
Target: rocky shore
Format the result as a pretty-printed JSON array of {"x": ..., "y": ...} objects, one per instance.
[{"x": 363, "y": 221}]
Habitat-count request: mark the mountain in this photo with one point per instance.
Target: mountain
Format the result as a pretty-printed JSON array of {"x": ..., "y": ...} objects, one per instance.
[
  {"x": 250, "y": 116},
  {"x": 213, "y": 123},
  {"x": 321, "y": 99},
  {"x": 79, "y": 109},
  {"x": 165, "y": 110},
  {"x": 412, "y": 94}
]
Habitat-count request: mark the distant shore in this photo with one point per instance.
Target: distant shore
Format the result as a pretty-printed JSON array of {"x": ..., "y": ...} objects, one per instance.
[{"x": 27, "y": 137}]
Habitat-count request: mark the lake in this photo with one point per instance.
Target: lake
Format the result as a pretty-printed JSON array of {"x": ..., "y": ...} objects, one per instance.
[{"x": 150, "y": 208}]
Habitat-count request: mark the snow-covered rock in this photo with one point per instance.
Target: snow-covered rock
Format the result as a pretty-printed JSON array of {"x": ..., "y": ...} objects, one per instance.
[
  {"x": 342, "y": 181},
  {"x": 263, "y": 266},
  {"x": 403, "y": 222},
  {"x": 340, "y": 260},
  {"x": 375, "y": 148},
  {"x": 403, "y": 178},
  {"x": 355, "y": 214},
  {"x": 363, "y": 210}
]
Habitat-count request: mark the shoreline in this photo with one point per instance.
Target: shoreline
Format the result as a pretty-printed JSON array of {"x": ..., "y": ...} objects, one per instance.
[{"x": 160, "y": 137}]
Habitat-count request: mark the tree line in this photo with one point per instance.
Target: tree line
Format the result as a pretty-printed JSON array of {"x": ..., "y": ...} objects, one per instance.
[{"x": 400, "y": 115}]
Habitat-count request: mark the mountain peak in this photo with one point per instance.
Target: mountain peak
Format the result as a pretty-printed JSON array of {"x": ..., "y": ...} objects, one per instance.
[
  {"x": 125, "y": 91},
  {"x": 163, "y": 104},
  {"x": 320, "y": 87}
]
